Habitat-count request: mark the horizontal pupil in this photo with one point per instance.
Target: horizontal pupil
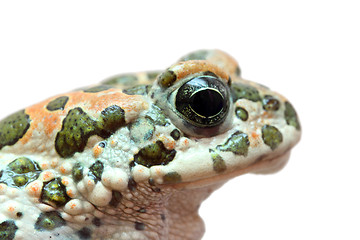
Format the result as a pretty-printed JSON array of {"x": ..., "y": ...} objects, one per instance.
[{"x": 207, "y": 102}]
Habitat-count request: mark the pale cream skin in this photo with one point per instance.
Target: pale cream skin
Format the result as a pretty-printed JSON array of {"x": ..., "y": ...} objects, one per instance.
[{"x": 138, "y": 170}]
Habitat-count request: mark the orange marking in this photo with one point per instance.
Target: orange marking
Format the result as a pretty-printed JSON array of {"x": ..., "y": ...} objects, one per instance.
[
  {"x": 183, "y": 69},
  {"x": 34, "y": 189},
  {"x": 62, "y": 170},
  {"x": 11, "y": 209},
  {"x": 48, "y": 123},
  {"x": 254, "y": 135},
  {"x": 44, "y": 166},
  {"x": 97, "y": 151},
  {"x": 47, "y": 175},
  {"x": 70, "y": 193},
  {"x": 65, "y": 181},
  {"x": 73, "y": 205}
]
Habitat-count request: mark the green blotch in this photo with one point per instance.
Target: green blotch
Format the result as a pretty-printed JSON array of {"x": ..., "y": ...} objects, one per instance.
[
  {"x": 157, "y": 115},
  {"x": 125, "y": 80},
  {"x": 8, "y": 230},
  {"x": 240, "y": 90},
  {"x": 138, "y": 90},
  {"x": 54, "y": 193},
  {"x": 97, "y": 89},
  {"x": 48, "y": 221},
  {"x": 23, "y": 165},
  {"x": 115, "y": 199},
  {"x": 271, "y": 136},
  {"x": 167, "y": 78},
  {"x": 291, "y": 116},
  {"x": 197, "y": 55},
  {"x": 175, "y": 134},
  {"x": 13, "y": 127},
  {"x": 111, "y": 119},
  {"x": 218, "y": 162},
  {"x": 154, "y": 154},
  {"x": 172, "y": 177},
  {"x": 20, "y": 172},
  {"x": 238, "y": 143},
  {"x": 241, "y": 113},
  {"x": 77, "y": 172},
  {"x": 96, "y": 170},
  {"x": 142, "y": 130},
  {"x": 76, "y": 129},
  {"x": 57, "y": 104},
  {"x": 270, "y": 103}
]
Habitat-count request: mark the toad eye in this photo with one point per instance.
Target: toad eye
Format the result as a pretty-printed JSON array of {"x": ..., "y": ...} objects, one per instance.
[{"x": 203, "y": 102}]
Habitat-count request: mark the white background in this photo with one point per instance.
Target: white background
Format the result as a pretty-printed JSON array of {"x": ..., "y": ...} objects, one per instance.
[{"x": 307, "y": 50}]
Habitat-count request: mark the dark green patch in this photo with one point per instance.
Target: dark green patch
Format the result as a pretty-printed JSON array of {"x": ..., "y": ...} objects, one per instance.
[
  {"x": 97, "y": 89},
  {"x": 154, "y": 154},
  {"x": 54, "y": 193},
  {"x": 139, "y": 226},
  {"x": 57, "y": 104},
  {"x": 291, "y": 116},
  {"x": 111, "y": 119},
  {"x": 218, "y": 162},
  {"x": 13, "y": 127},
  {"x": 142, "y": 130},
  {"x": 157, "y": 115},
  {"x": 167, "y": 79},
  {"x": 84, "y": 233},
  {"x": 115, "y": 199},
  {"x": 270, "y": 103},
  {"x": 77, "y": 172},
  {"x": 197, "y": 55},
  {"x": 132, "y": 185},
  {"x": 239, "y": 91},
  {"x": 175, "y": 134},
  {"x": 96, "y": 171},
  {"x": 23, "y": 165},
  {"x": 241, "y": 113},
  {"x": 8, "y": 230},
  {"x": 125, "y": 80},
  {"x": 238, "y": 143},
  {"x": 172, "y": 177},
  {"x": 138, "y": 90},
  {"x": 20, "y": 172},
  {"x": 78, "y": 127},
  {"x": 271, "y": 136},
  {"x": 48, "y": 221}
]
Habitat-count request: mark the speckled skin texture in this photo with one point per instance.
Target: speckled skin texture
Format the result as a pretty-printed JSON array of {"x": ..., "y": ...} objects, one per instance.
[{"x": 134, "y": 157}]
